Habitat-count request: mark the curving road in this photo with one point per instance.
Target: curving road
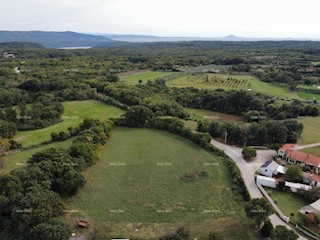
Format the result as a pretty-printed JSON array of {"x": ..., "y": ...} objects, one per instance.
[{"x": 248, "y": 169}]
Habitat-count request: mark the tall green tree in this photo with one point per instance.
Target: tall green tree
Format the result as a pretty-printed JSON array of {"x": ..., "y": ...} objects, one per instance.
[{"x": 258, "y": 209}]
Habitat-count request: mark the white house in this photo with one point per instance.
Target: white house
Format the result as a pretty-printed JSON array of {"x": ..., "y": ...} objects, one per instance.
[
  {"x": 266, "y": 181},
  {"x": 271, "y": 168},
  {"x": 283, "y": 150},
  {"x": 311, "y": 208},
  {"x": 294, "y": 187}
]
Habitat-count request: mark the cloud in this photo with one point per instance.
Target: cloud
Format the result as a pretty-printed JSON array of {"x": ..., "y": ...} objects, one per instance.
[{"x": 270, "y": 18}]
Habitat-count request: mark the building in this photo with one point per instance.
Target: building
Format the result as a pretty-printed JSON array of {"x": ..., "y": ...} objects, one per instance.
[
  {"x": 271, "y": 168},
  {"x": 283, "y": 150},
  {"x": 294, "y": 187},
  {"x": 311, "y": 208},
  {"x": 266, "y": 181},
  {"x": 304, "y": 160},
  {"x": 311, "y": 179},
  {"x": 8, "y": 55}
]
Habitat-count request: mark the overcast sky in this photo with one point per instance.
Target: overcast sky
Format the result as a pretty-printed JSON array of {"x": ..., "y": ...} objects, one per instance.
[{"x": 203, "y": 18}]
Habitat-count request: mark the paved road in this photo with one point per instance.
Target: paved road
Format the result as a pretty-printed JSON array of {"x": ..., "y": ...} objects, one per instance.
[
  {"x": 248, "y": 169},
  {"x": 300, "y": 147}
]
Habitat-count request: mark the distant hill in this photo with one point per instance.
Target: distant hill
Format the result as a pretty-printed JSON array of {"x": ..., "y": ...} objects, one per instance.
[
  {"x": 14, "y": 45},
  {"x": 54, "y": 39},
  {"x": 149, "y": 38}
]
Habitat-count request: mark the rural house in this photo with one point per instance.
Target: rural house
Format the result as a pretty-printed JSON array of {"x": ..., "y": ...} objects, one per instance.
[
  {"x": 271, "y": 168},
  {"x": 305, "y": 160},
  {"x": 311, "y": 208},
  {"x": 283, "y": 150},
  {"x": 311, "y": 179},
  {"x": 294, "y": 187},
  {"x": 8, "y": 55}
]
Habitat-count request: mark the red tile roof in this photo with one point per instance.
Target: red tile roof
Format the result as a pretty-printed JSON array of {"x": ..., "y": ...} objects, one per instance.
[
  {"x": 304, "y": 157},
  {"x": 315, "y": 177},
  {"x": 287, "y": 146}
]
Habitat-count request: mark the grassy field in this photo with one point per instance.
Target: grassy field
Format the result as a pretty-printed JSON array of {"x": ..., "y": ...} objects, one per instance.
[
  {"x": 199, "y": 114},
  {"x": 311, "y": 131},
  {"x": 225, "y": 81},
  {"x": 144, "y": 76},
  {"x": 314, "y": 151},
  {"x": 287, "y": 202},
  {"x": 75, "y": 112},
  {"x": 136, "y": 190},
  {"x": 19, "y": 159},
  {"x": 305, "y": 95}
]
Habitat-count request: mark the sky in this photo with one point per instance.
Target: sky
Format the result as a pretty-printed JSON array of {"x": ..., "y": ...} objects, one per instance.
[{"x": 193, "y": 18}]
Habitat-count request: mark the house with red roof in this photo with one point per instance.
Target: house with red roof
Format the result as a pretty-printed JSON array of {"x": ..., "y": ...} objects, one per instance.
[
  {"x": 305, "y": 160},
  {"x": 283, "y": 150}
]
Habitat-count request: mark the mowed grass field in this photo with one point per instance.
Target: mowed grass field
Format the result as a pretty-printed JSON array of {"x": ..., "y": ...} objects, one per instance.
[
  {"x": 226, "y": 81},
  {"x": 287, "y": 202},
  {"x": 311, "y": 130},
  {"x": 305, "y": 95},
  {"x": 18, "y": 159},
  {"x": 134, "y": 78},
  {"x": 314, "y": 151},
  {"x": 200, "y": 114},
  {"x": 74, "y": 113},
  {"x": 135, "y": 190}
]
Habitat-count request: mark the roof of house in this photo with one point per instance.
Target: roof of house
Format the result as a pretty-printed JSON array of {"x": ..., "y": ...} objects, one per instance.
[
  {"x": 298, "y": 185},
  {"x": 270, "y": 164},
  {"x": 281, "y": 169},
  {"x": 316, "y": 205},
  {"x": 266, "y": 178},
  {"x": 287, "y": 146},
  {"x": 309, "y": 209},
  {"x": 304, "y": 157},
  {"x": 311, "y": 176}
]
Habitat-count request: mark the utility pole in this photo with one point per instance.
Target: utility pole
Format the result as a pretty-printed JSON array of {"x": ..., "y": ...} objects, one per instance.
[{"x": 225, "y": 136}]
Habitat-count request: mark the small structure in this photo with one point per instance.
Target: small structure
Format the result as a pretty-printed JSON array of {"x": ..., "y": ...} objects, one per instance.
[
  {"x": 82, "y": 224},
  {"x": 283, "y": 150},
  {"x": 294, "y": 187},
  {"x": 270, "y": 168},
  {"x": 311, "y": 179},
  {"x": 8, "y": 55},
  {"x": 311, "y": 208},
  {"x": 266, "y": 181}
]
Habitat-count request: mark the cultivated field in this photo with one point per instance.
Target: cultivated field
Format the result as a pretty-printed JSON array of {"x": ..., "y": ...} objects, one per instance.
[
  {"x": 134, "y": 78},
  {"x": 19, "y": 158},
  {"x": 236, "y": 82},
  {"x": 75, "y": 112},
  {"x": 311, "y": 131},
  {"x": 136, "y": 191}
]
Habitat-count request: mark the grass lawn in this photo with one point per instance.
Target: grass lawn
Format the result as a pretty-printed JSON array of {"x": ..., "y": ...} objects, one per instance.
[
  {"x": 18, "y": 159},
  {"x": 311, "y": 131},
  {"x": 314, "y": 151},
  {"x": 287, "y": 202},
  {"x": 226, "y": 81},
  {"x": 305, "y": 95},
  {"x": 74, "y": 113},
  {"x": 199, "y": 114},
  {"x": 144, "y": 76},
  {"x": 135, "y": 190},
  {"x": 191, "y": 124}
]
